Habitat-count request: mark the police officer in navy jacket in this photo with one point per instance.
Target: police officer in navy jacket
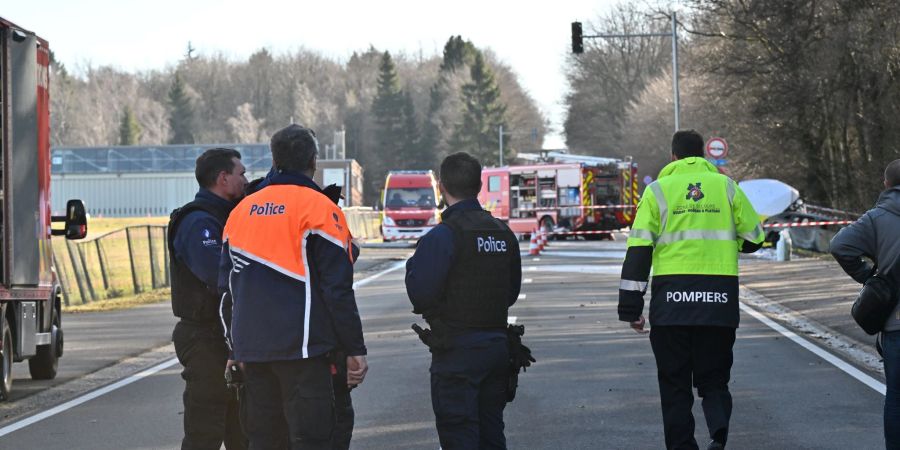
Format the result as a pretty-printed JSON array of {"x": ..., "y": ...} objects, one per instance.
[
  {"x": 195, "y": 243},
  {"x": 464, "y": 276}
]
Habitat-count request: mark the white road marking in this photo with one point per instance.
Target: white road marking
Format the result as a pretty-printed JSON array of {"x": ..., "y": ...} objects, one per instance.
[
  {"x": 594, "y": 254},
  {"x": 527, "y": 280},
  {"x": 521, "y": 297},
  {"x": 511, "y": 320},
  {"x": 536, "y": 259},
  {"x": 138, "y": 376},
  {"x": 614, "y": 269},
  {"x": 87, "y": 397},
  {"x": 818, "y": 351},
  {"x": 378, "y": 275}
]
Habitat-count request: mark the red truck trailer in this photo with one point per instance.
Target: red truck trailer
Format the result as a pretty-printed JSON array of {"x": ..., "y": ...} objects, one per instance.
[
  {"x": 591, "y": 197},
  {"x": 30, "y": 309}
]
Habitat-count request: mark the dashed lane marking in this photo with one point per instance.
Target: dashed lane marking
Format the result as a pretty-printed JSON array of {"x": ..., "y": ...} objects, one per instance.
[
  {"x": 527, "y": 280},
  {"x": 511, "y": 320},
  {"x": 521, "y": 297}
]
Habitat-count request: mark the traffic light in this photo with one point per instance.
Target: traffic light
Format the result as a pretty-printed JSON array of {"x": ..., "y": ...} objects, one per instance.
[{"x": 577, "y": 39}]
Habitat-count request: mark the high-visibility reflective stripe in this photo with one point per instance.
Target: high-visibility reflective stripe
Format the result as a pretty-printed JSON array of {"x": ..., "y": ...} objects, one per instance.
[
  {"x": 731, "y": 191},
  {"x": 268, "y": 264},
  {"x": 304, "y": 350},
  {"x": 661, "y": 203},
  {"x": 752, "y": 236},
  {"x": 711, "y": 235},
  {"x": 631, "y": 285},
  {"x": 642, "y": 234},
  {"x": 328, "y": 237}
]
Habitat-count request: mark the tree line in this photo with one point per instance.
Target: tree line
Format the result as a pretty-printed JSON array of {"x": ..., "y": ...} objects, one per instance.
[
  {"x": 397, "y": 111},
  {"x": 804, "y": 91}
]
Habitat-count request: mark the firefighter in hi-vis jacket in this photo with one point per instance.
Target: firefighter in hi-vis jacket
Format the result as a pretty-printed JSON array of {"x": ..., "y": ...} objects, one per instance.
[{"x": 691, "y": 224}]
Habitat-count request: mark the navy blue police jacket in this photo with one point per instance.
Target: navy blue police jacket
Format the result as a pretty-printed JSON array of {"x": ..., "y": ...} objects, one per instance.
[
  {"x": 198, "y": 241},
  {"x": 427, "y": 270}
]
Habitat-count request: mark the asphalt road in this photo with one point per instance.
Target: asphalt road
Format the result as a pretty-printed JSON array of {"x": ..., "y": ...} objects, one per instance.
[{"x": 594, "y": 385}]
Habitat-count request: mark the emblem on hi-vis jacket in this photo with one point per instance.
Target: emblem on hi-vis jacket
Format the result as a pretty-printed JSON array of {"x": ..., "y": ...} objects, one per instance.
[{"x": 694, "y": 192}]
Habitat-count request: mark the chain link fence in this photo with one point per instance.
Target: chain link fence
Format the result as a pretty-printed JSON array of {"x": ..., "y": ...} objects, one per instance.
[{"x": 121, "y": 263}]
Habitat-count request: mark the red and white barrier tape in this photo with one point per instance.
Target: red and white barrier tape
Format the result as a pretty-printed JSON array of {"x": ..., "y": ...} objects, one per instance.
[
  {"x": 579, "y": 207},
  {"x": 808, "y": 224}
]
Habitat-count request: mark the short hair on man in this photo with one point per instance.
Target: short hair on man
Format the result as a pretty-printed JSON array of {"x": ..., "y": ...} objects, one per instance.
[
  {"x": 687, "y": 143},
  {"x": 892, "y": 173},
  {"x": 294, "y": 148},
  {"x": 461, "y": 175},
  {"x": 213, "y": 162}
]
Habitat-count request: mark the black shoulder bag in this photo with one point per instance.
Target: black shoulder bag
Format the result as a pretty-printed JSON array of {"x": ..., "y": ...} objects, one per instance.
[{"x": 876, "y": 301}]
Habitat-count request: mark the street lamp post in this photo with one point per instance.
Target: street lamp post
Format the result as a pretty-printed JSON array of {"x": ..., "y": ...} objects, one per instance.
[
  {"x": 578, "y": 47},
  {"x": 501, "y": 133}
]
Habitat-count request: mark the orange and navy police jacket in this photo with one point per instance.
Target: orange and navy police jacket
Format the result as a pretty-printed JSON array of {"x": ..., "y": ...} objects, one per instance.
[{"x": 286, "y": 275}]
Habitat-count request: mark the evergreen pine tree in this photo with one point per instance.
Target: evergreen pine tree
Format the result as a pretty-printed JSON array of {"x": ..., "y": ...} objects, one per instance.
[
  {"x": 387, "y": 108},
  {"x": 181, "y": 117},
  {"x": 412, "y": 154},
  {"x": 129, "y": 128},
  {"x": 457, "y": 54},
  {"x": 483, "y": 113}
]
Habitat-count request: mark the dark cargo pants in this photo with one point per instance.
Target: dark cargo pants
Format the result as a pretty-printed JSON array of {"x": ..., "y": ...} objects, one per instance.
[{"x": 210, "y": 408}]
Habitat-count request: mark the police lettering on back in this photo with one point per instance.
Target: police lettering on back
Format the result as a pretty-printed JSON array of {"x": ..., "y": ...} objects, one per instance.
[
  {"x": 268, "y": 209},
  {"x": 490, "y": 245}
]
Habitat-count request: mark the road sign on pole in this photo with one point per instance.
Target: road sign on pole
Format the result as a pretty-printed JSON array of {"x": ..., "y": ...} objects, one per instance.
[{"x": 716, "y": 148}]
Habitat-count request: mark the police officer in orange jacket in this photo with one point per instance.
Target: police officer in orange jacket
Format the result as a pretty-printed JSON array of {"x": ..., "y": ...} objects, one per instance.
[{"x": 286, "y": 279}]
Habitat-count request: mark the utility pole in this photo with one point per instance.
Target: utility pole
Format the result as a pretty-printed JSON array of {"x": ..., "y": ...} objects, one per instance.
[
  {"x": 578, "y": 48},
  {"x": 500, "y": 132}
]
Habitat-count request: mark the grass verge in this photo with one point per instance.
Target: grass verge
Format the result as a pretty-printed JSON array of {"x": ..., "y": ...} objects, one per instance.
[{"x": 144, "y": 298}]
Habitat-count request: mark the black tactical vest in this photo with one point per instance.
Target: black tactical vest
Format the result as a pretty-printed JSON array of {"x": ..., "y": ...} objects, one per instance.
[
  {"x": 191, "y": 299},
  {"x": 478, "y": 284}
]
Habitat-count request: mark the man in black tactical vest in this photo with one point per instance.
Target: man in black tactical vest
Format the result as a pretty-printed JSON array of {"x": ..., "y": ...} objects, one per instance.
[
  {"x": 464, "y": 276},
  {"x": 195, "y": 245}
]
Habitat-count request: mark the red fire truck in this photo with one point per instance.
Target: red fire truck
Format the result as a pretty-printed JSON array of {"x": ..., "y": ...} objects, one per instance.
[
  {"x": 30, "y": 309},
  {"x": 410, "y": 201},
  {"x": 591, "y": 195}
]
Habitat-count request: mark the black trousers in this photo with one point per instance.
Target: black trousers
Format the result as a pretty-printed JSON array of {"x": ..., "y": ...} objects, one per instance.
[
  {"x": 468, "y": 394},
  {"x": 210, "y": 408},
  {"x": 343, "y": 405},
  {"x": 289, "y": 404},
  {"x": 702, "y": 357}
]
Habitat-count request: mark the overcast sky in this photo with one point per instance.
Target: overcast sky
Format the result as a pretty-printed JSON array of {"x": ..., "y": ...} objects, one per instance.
[{"x": 533, "y": 38}]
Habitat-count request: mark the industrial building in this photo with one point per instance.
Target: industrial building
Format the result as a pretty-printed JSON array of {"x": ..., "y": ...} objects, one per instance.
[{"x": 128, "y": 181}]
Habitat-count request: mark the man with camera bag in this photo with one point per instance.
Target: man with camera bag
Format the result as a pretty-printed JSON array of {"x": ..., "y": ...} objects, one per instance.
[{"x": 876, "y": 236}]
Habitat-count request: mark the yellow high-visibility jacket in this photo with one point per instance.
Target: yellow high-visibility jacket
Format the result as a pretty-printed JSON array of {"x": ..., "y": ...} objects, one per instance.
[{"x": 691, "y": 223}]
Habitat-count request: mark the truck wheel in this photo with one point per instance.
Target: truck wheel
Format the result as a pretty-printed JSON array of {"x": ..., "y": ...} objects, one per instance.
[
  {"x": 43, "y": 365},
  {"x": 6, "y": 360}
]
